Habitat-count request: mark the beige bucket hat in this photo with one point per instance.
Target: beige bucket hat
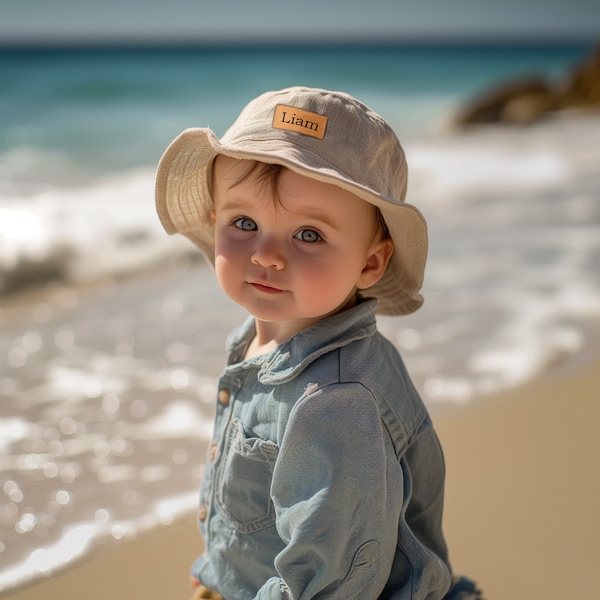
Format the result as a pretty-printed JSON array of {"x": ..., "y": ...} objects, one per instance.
[{"x": 328, "y": 136}]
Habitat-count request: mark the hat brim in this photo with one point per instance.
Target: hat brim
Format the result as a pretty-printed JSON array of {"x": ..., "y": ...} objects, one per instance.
[{"x": 184, "y": 204}]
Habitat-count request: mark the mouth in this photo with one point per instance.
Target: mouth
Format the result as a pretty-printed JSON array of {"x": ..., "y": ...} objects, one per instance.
[{"x": 264, "y": 288}]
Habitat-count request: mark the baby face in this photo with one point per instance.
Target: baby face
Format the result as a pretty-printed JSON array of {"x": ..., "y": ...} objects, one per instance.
[{"x": 297, "y": 257}]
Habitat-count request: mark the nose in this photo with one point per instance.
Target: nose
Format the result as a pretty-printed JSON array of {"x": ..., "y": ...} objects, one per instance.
[{"x": 269, "y": 255}]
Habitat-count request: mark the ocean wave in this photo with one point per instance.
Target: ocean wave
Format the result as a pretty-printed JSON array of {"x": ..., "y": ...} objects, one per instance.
[{"x": 80, "y": 234}]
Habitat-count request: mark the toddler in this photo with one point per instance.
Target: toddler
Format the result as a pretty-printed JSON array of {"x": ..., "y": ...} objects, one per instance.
[{"x": 325, "y": 478}]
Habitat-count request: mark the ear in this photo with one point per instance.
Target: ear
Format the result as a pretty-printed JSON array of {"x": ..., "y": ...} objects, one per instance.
[{"x": 376, "y": 263}]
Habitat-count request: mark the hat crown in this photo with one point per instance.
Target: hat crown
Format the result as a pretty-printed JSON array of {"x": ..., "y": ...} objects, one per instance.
[{"x": 332, "y": 127}]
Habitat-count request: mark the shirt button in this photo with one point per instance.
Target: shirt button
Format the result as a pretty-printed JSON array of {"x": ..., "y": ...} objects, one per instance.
[
  {"x": 202, "y": 513},
  {"x": 223, "y": 396},
  {"x": 213, "y": 452}
]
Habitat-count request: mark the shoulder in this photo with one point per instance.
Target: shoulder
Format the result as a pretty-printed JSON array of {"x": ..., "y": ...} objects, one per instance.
[
  {"x": 370, "y": 373},
  {"x": 372, "y": 361}
]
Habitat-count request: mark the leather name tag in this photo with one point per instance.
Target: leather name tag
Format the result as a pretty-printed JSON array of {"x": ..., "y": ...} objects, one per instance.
[{"x": 300, "y": 121}]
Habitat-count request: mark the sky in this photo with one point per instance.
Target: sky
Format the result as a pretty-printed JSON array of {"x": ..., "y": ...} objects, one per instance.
[{"x": 210, "y": 21}]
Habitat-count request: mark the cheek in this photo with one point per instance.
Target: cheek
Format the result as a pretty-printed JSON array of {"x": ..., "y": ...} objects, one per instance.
[
  {"x": 227, "y": 261},
  {"x": 224, "y": 247},
  {"x": 226, "y": 267},
  {"x": 328, "y": 278},
  {"x": 335, "y": 267}
]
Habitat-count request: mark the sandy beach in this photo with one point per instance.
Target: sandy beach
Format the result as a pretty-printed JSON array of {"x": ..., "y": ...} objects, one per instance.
[
  {"x": 521, "y": 511},
  {"x": 523, "y": 488}
]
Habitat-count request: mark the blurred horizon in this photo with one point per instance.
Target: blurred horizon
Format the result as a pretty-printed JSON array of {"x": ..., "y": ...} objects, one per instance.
[
  {"x": 191, "y": 44},
  {"x": 72, "y": 23},
  {"x": 273, "y": 43}
]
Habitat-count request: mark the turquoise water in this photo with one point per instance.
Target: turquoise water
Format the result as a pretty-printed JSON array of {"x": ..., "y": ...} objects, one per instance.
[{"x": 86, "y": 112}]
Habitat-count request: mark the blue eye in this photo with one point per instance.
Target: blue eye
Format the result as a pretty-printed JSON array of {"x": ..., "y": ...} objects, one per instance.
[
  {"x": 245, "y": 224},
  {"x": 308, "y": 235}
]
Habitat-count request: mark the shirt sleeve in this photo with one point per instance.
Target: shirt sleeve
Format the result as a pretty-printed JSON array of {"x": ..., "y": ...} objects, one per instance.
[{"x": 337, "y": 506}]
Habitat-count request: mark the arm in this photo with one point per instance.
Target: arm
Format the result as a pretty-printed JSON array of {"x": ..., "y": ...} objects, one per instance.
[{"x": 336, "y": 510}]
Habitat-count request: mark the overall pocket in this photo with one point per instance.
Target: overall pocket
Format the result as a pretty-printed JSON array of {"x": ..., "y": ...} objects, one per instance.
[{"x": 244, "y": 480}]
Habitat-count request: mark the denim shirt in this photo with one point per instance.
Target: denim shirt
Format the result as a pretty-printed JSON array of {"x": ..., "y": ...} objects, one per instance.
[{"x": 325, "y": 477}]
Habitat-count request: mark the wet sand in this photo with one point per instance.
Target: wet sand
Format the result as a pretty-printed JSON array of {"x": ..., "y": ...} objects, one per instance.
[{"x": 521, "y": 511}]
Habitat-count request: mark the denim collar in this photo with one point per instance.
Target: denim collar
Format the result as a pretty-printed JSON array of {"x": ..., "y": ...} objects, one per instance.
[{"x": 289, "y": 359}]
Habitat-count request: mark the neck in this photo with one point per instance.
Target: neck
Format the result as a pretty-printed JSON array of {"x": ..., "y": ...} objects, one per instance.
[{"x": 269, "y": 335}]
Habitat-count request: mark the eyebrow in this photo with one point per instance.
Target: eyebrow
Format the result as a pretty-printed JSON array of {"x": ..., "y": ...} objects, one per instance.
[
  {"x": 232, "y": 205},
  {"x": 320, "y": 217}
]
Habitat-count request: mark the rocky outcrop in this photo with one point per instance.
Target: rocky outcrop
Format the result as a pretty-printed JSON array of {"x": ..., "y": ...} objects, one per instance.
[
  {"x": 582, "y": 89},
  {"x": 527, "y": 99}
]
